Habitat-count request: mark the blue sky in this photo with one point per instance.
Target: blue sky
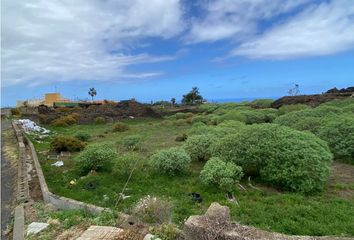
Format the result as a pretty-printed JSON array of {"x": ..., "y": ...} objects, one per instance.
[{"x": 159, "y": 49}]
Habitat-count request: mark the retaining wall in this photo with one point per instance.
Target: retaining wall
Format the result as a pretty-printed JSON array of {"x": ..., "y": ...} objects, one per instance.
[{"x": 48, "y": 197}]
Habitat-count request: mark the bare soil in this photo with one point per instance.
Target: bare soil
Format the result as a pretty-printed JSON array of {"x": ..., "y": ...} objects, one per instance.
[{"x": 341, "y": 182}]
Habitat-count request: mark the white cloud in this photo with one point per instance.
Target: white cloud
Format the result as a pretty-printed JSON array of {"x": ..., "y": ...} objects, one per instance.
[
  {"x": 322, "y": 29},
  {"x": 236, "y": 20},
  {"x": 75, "y": 40}
]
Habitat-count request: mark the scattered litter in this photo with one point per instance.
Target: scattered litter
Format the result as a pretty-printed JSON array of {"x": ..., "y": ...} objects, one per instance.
[
  {"x": 36, "y": 227},
  {"x": 30, "y": 126},
  {"x": 122, "y": 196},
  {"x": 90, "y": 185},
  {"x": 58, "y": 164},
  {"x": 73, "y": 182},
  {"x": 53, "y": 156},
  {"x": 65, "y": 154},
  {"x": 196, "y": 197},
  {"x": 151, "y": 237}
]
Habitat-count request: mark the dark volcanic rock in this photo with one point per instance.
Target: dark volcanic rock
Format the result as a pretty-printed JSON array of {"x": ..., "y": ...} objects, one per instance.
[{"x": 315, "y": 99}]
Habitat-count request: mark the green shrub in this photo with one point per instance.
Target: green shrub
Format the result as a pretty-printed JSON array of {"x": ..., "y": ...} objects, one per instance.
[
  {"x": 255, "y": 116},
  {"x": 64, "y": 121},
  {"x": 131, "y": 142},
  {"x": 83, "y": 136},
  {"x": 124, "y": 164},
  {"x": 180, "y": 122},
  {"x": 261, "y": 103},
  {"x": 290, "y": 159},
  {"x": 181, "y": 115},
  {"x": 229, "y": 127},
  {"x": 233, "y": 115},
  {"x": 181, "y": 138},
  {"x": 200, "y": 118},
  {"x": 339, "y": 133},
  {"x": 199, "y": 146},
  {"x": 43, "y": 119},
  {"x": 171, "y": 161},
  {"x": 120, "y": 127},
  {"x": 98, "y": 157},
  {"x": 209, "y": 107},
  {"x": 66, "y": 143},
  {"x": 292, "y": 108},
  {"x": 15, "y": 112},
  {"x": 223, "y": 175},
  {"x": 153, "y": 210},
  {"x": 100, "y": 120},
  {"x": 166, "y": 231}
]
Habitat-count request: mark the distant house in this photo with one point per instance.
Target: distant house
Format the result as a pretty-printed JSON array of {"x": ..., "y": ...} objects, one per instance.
[
  {"x": 51, "y": 98},
  {"x": 29, "y": 103}
]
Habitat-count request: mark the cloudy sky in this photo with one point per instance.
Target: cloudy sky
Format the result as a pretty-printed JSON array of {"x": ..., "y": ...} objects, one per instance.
[{"x": 159, "y": 49}]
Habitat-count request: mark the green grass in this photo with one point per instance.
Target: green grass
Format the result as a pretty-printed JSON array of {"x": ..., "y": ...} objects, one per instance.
[{"x": 323, "y": 214}]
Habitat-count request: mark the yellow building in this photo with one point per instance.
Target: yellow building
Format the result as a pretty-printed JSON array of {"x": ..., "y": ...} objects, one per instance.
[{"x": 50, "y": 98}]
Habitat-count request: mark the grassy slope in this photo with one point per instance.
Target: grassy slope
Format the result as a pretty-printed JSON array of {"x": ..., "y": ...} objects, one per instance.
[{"x": 324, "y": 214}]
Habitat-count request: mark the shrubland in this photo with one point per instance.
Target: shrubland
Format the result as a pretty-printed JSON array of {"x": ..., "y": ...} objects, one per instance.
[
  {"x": 281, "y": 156},
  {"x": 275, "y": 162}
]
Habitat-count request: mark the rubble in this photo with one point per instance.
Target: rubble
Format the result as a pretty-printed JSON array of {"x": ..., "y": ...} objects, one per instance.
[
  {"x": 31, "y": 127},
  {"x": 36, "y": 227}
]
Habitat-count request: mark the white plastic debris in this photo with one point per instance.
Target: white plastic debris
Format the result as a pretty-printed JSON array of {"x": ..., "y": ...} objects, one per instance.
[
  {"x": 58, "y": 164},
  {"x": 151, "y": 237},
  {"x": 30, "y": 126},
  {"x": 36, "y": 227}
]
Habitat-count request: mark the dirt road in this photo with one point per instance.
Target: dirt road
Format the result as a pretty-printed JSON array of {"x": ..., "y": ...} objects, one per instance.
[{"x": 8, "y": 175}]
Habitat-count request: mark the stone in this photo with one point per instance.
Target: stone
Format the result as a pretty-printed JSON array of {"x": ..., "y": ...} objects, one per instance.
[
  {"x": 217, "y": 211},
  {"x": 100, "y": 232},
  {"x": 151, "y": 237},
  {"x": 36, "y": 227}
]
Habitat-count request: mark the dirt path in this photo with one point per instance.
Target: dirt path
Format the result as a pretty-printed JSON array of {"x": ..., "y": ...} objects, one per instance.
[
  {"x": 8, "y": 175},
  {"x": 341, "y": 182}
]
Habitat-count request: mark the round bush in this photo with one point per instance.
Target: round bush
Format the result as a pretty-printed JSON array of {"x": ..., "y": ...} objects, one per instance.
[
  {"x": 292, "y": 108},
  {"x": 171, "y": 161},
  {"x": 66, "y": 143},
  {"x": 229, "y": 127},
  {"x": 100, "y": 120},
  {"x": 339, "y": 133},
  {"x": 83, "y": 136},
  {"x": 153, "y": 210},
  {"x": 120, "y": 127},
  {"x": 131, "y": 142},
  {"x": 290, "y": 159},
  {"x": 198, "y": 146},
  {"x": 64, "y": 121},
  {"x": 98, "y": 157},
  {"x": 223, "y": 175},
  {"x": 124, "y": 164},
  {"x": 261, "y": 103}
]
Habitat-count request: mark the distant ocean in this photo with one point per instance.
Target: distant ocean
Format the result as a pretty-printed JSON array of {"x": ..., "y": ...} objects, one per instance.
[{"x": 237, "y": 100}]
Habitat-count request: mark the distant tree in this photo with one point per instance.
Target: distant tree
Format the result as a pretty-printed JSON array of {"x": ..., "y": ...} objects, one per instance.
[
  {"x": 295, "y": 90},
  {"x": 173, "y": 101},
  {"x": 92, "y": 92},
  {"x": 193, "y": 97}
]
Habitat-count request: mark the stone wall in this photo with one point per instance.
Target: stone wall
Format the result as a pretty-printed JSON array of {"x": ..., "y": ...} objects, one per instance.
[{"x": 217, "y": 225}]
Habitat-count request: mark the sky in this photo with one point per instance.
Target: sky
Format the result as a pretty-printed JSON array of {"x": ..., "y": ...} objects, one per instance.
[{"x": 160, "y": 49}]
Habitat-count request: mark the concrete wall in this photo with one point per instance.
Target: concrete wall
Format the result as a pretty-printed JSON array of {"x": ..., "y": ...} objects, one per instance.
[{"x": 48, "y": 197}]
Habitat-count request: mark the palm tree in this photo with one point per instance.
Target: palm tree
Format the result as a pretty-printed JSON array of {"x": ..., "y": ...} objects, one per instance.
[{"x": 92, "y": 92}]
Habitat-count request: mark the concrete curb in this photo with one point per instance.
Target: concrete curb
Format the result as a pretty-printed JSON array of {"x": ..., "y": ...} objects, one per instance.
[
  {"x": 48, "y": 197},
  {"x": 22, "y": 178},
  {"x": 19, "y": 223}
]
